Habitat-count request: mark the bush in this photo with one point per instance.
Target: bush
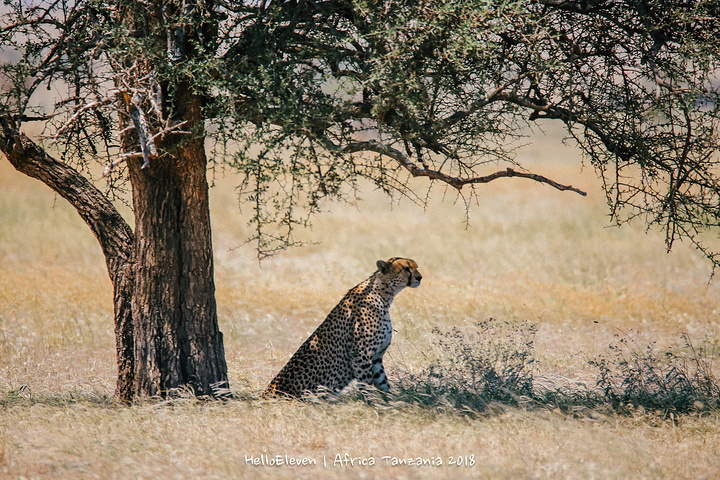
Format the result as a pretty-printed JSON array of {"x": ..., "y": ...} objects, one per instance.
[
  {"x": 491, "y": 363},
  {"x": 630, "y": 377}
]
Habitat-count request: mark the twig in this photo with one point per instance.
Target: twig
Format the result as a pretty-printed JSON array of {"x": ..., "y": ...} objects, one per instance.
[
  {"x": 111, "y": 165},
  {"x": 77, "y": 114},
  {"x": 475, "y": 106}
]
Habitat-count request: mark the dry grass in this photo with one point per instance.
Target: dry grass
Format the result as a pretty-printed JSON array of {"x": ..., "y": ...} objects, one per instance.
[
  {"x": 188, "y": 440},
  {"x": 529, "y": 253}
]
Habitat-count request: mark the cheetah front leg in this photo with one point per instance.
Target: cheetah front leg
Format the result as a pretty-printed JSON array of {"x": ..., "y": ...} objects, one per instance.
[
  {"x": 379, "y": 379},
  {"x": 370, "y": 371}
]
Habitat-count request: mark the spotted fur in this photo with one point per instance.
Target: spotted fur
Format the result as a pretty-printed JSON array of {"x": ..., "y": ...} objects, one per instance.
[{"x": 350, "y": 343}]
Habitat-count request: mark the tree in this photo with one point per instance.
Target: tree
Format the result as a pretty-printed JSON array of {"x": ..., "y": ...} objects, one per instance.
[{"x": 306, "y": 97}]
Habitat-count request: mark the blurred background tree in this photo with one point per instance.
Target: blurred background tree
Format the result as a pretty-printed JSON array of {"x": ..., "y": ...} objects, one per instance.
[{"x": 306, "y": 98}]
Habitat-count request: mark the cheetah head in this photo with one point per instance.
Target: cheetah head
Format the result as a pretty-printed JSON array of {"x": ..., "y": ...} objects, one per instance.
[{"x": 400, "y": 272}]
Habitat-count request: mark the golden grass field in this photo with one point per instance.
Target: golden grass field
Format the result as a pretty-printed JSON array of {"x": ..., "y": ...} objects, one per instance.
[{"x": 529, "y": 253}]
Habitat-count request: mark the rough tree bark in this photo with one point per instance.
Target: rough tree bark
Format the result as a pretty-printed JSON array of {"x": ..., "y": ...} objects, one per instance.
[{"x": 177, "y": 339}]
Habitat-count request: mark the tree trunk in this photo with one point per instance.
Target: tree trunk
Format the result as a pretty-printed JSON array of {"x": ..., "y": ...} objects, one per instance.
[
  {"x": 166, "y": 327},
  {"x": 177, "y": 340}
]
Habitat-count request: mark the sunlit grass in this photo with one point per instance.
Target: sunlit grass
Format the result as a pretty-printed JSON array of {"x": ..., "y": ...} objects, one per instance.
[
  {"x": 525, "y": 253},
  {"x": 90, "y": 438}
]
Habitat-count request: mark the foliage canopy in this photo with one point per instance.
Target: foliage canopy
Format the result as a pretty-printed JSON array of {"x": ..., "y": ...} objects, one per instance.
[{"x": 304, "y": 97}]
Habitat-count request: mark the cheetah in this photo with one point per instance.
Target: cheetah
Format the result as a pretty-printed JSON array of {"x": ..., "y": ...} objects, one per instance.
[{"x": 350, "y": 343}]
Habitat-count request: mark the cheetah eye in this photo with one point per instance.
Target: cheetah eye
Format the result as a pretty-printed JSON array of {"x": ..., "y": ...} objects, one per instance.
[{"x": 407, "y": 269}]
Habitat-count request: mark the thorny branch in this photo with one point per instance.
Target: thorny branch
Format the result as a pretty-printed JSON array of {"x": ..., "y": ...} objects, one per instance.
[
  {"x": 416, "y": 171},
  {"x": 77, "y": 115},
  {"x": 175, "y": 129},
  {"x": 130, "y": 98}
]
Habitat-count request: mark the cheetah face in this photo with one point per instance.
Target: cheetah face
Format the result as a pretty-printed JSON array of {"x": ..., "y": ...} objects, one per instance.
[{"x": 400, "y": 272}]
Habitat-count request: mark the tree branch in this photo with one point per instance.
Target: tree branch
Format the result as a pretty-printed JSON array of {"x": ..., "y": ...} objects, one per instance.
[
  {"x": 416, "y": 171},
  {"x": 475, "y": 106},
  {"x": 77, "y": 114},
  {"x": 147, "y": 144},
  {"x": 112, "y": 231},
  {"x": 108, "y": 226},
  {"x": 577, "y": 6},
  {"x": 175, "y": 129}
]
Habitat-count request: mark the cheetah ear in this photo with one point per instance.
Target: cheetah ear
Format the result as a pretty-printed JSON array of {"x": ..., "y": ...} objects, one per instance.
[{"x": 383, "y": 266}]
